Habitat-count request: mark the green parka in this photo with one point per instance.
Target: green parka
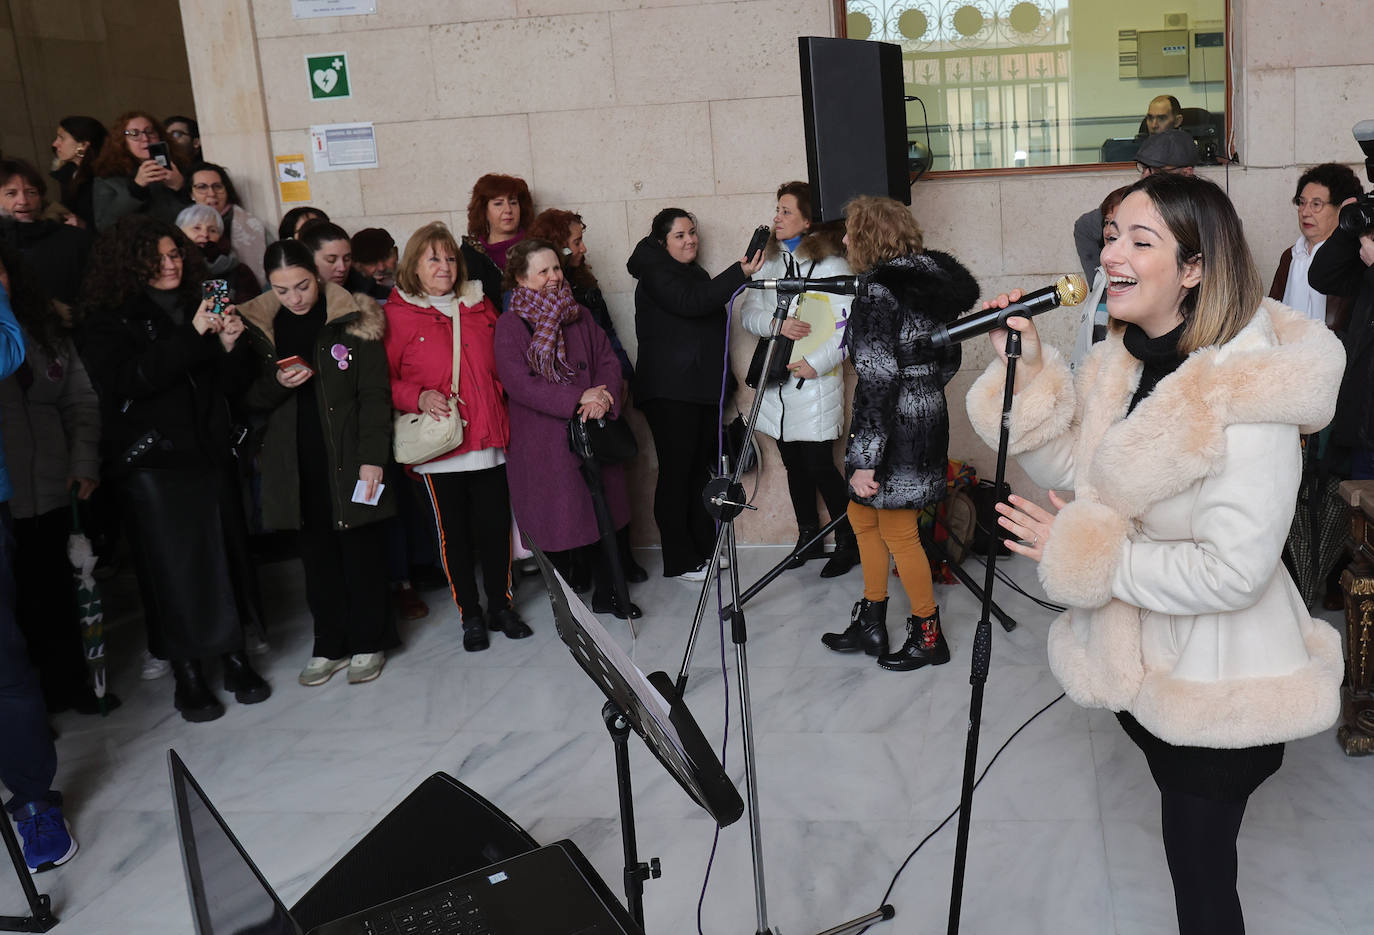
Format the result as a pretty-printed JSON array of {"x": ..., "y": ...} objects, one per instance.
[{"x": 355, "y": 402}]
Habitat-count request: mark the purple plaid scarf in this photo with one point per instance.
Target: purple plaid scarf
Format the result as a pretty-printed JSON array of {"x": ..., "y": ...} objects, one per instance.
[{"x": 547, "y": 313}]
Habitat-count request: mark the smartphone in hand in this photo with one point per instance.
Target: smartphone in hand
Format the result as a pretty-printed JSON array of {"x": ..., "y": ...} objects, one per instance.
[
  {"x": 159, "y": 154},
  {"x": 217, "y": 291},
  {"x": 758, "y": 241},
  {"x": 294, "y": 362}
]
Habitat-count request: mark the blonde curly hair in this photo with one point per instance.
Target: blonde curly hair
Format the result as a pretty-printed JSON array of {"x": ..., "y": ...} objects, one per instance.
[{"x": 880, "y": 229}]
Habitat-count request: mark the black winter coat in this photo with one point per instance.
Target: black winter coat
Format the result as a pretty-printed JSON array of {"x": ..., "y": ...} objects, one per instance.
[
  {"x": 900, "y": 425},
  {"x": 681, "y": 326},
  {"x": 162, "y": 381},
  {"x": 1338, "y": 270},
  {"x": 355, "y": 402},
  {"x": 56, "y": 254}
]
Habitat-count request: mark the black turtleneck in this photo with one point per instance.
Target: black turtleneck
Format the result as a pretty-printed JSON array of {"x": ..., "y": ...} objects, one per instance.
[{"x": 1159, "y": 355}]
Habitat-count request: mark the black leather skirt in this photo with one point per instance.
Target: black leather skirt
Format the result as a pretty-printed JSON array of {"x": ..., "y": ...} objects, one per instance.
[{"x": 188, "y": 553}]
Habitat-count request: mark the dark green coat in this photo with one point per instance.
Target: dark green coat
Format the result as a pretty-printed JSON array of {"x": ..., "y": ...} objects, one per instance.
[{"x": 355, "y": 403}]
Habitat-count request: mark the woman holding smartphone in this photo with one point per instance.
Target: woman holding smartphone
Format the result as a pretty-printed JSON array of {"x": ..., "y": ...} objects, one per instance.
[
  {"x": 138, "y": 172},
  {"x": 322, "y": 379},
  {"x": 165, "y": 365},
  {"x": 1179, "y": 437}
]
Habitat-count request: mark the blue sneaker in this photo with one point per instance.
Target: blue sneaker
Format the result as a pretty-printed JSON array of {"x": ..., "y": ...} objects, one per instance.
[{"x": 48, "y": 842}]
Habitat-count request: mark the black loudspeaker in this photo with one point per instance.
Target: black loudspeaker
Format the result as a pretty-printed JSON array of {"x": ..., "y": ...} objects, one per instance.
[{"x": 854, "y": 107}]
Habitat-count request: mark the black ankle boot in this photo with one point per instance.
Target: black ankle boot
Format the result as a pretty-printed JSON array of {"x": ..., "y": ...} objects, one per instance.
[
  {"x": 925, "y": 645},
  {"x": 845, "y": 556},
  {"x": 193, "y": 698},
  {"x": 243, "y": 681},
  {"x": 867, "y": 630},
  {"x": 804, "y": 535}
]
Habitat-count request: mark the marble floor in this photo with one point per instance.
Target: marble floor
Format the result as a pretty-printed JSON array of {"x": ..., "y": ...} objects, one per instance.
[{"x": 855, "y": 766}]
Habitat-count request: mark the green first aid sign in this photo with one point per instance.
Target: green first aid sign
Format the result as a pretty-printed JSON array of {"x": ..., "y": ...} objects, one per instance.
[{"x": 328, "y": 76}]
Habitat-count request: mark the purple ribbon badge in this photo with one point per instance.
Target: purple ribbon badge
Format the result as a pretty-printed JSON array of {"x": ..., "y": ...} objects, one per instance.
[{"x": 340, "y": 353}]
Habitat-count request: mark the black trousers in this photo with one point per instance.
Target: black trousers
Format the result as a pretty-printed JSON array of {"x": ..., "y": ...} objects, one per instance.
[
  {"x": 1203, "y": 792},
  {"x": 46, "y": 607},
  {"x": 346, "y": 588},
  {"x": 28, "y": 759},
  {"x": 811, "y": 470},
  {"x": 589, "y": 562},
  {"x": 472, "y": 510},
  {"x": 686, "y": 437}
]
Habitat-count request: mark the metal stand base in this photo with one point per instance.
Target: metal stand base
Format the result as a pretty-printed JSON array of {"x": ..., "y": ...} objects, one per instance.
[{"x": 40, "y": 917}]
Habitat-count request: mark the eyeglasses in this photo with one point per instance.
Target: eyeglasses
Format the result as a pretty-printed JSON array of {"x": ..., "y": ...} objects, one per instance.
[
  {"x": 203, "y": 187},
  {"x": 149, "y": 134},
  {"x": 1316, "y": 204},
  {"x": 179, "y": 135}
]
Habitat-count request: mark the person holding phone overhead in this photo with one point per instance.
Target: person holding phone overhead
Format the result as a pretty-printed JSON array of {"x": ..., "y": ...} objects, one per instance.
[
  {"x": 137, "y": 172},
  {"x": 1179, "y": 437},
  {"x": 681, "y": 327},
  {"x": 165, "y": 367},
  {"x": 322, "y": 379}
]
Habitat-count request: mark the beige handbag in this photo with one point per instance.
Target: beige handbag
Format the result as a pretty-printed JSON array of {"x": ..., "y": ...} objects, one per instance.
[{"x": 417, "y": 437}]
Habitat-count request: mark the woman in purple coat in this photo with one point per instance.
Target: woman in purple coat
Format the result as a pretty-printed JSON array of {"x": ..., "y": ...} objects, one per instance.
[{"x": 555, "y": 363}]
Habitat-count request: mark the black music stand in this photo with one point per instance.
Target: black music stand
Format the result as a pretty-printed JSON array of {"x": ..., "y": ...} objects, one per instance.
[
  {"x": 664, "y": 723},
  {"x": 40, "y": 917}
]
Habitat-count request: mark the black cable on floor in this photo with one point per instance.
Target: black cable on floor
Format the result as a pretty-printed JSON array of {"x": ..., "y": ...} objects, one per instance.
[{"x": 938, "y": 828}]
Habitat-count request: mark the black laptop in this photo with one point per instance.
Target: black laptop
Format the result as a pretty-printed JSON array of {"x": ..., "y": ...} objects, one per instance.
[{"x": 549, "y": 890}]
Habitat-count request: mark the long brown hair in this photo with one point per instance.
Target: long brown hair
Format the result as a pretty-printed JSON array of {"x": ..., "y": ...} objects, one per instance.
[
  {"x": 555, "y": 225},
  {"x": 434, "y": 234},
  {"x": 1204, "y": 222},
  {"x": 492, "y": 186},
  {"x": 880, "y": 229},
  {"x": 115, "y": 158}
]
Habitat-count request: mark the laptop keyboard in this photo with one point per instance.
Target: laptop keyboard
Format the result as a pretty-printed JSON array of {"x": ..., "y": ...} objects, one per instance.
[{"x": 446, "y": 912}]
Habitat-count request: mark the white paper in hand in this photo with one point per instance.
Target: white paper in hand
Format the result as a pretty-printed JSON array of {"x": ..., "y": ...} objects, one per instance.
[{"x": 360, "y": 493}]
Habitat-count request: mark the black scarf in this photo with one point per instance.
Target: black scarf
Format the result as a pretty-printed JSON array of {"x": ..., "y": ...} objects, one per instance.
[{"x": 1159, "y": 355}]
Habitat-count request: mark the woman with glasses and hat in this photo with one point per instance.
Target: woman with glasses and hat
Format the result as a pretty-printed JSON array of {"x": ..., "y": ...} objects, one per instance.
[{"x": 128, "y": 180}]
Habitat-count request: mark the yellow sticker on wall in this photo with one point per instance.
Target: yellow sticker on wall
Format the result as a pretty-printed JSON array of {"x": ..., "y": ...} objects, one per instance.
[{"x": 291, "y": 178}]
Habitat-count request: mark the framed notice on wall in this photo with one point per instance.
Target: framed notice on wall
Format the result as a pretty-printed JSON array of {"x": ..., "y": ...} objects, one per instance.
[
  {"x": 310, "y": 9},
  {"x": 343, "y": 146}
]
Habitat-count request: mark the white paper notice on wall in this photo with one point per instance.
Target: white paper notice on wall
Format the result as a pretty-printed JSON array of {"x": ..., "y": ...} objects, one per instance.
[
  {"x": 338, "y": 146},
  {"x": 309, "y": 9}
]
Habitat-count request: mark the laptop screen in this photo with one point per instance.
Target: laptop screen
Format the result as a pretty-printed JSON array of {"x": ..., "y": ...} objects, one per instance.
[{"x": 228, "y": 894}]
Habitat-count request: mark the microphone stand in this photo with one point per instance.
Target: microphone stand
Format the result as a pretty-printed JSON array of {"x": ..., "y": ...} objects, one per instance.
[
  {"x": 982, "y": 653},
  {"x": 725, "y": 499}
]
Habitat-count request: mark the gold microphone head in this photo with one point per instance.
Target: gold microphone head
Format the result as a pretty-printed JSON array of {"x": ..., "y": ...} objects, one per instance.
[{"x": 1071, "y": 289}]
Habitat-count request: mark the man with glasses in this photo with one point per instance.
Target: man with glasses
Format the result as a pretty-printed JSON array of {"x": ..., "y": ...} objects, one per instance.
[{"x": 185, "y": 132}]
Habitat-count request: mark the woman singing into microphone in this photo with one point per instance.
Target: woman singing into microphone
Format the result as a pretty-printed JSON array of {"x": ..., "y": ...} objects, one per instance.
[{"x": 1179, "y": 437}]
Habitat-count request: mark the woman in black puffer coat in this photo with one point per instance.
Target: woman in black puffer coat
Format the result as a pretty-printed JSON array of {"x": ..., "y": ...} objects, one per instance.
[
  {"x": 899, "y": 434},
  {"x": 681, "y": 327}
]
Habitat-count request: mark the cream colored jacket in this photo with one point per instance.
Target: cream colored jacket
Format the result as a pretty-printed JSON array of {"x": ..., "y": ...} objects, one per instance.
[{"x": 1169, "y": 557}]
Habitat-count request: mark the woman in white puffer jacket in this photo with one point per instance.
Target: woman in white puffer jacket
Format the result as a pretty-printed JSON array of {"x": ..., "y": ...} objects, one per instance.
[{"x": 806, "y": 411}]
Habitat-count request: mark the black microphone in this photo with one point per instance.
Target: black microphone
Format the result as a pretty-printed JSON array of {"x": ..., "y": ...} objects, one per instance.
[
  {"x": 1067, "y": 290},
  {"x": 843, "y": 285}
]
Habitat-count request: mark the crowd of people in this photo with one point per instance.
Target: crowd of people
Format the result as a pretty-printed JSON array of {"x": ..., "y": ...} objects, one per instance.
[{"x": 181, "y": 379}]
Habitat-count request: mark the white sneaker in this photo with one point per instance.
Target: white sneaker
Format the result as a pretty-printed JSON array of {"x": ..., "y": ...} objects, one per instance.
[
  {"x": 696, "y": 574},
  {"x": 364, "y": 667},
  {"x": 153, "y": 667},
  {"x": 319, "y": 669}
]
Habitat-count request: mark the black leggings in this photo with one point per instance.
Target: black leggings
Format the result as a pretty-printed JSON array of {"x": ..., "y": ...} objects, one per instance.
[
  {"x": 1200, "y": 842},
  {"x": 686, "y": 437},
  {"x": 811, "y": 469}
]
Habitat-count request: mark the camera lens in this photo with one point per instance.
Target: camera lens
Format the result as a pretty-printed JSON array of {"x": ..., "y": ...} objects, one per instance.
[{"x": 1358, "y": 219}]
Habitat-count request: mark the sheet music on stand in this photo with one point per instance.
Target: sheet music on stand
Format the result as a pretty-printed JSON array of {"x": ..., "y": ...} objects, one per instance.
[{"x": 649, "y": 703}]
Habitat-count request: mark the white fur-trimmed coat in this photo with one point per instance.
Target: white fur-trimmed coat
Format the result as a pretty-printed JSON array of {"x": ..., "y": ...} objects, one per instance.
[{"x": 1181, "y": 611}]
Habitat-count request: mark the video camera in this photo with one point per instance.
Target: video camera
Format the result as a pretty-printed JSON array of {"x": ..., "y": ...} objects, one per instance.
[{"x": 1358, "y": 219}]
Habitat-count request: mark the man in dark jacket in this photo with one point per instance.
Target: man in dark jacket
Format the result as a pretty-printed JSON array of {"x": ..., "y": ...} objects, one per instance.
[
  {"x": 28, "y": 759},
  {"x": 1345, "y": 266},
  {"x": 56, "y": 252}
]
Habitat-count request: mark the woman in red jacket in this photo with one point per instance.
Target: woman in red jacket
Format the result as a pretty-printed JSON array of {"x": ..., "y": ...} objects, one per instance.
[{"x": 467, "y": 486}]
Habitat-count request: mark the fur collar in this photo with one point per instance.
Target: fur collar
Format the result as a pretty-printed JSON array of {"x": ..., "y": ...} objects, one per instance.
[
  {"x": 819, "y": 243},
  {"x": 1175, "y": 436},
  {"x": 934, "y": 282},
  {"x": 360, "y": 314},
  {"x": 469, "y": 295}
]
